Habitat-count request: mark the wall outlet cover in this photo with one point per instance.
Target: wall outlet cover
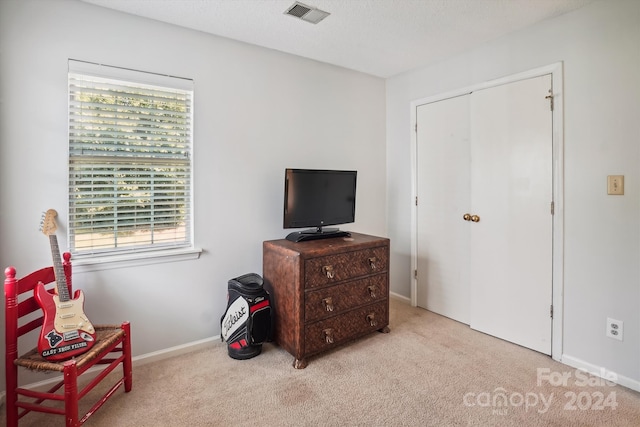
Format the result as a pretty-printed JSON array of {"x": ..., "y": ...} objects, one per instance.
[
  {"x": 615, "y": 329},
  {"x": 615, "y": 184}
]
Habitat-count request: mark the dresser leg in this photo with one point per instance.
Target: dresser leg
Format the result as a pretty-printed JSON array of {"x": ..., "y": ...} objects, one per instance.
[
  {"x": 300, "y": 363},
  {"x": 385, "y": 330}
]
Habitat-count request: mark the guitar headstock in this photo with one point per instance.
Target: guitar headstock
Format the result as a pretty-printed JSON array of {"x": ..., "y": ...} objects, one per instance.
[{"x": 48, "y": 225}]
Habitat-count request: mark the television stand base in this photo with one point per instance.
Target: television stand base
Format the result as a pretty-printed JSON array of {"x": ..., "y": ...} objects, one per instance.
[{"x": 303, "y": 236}]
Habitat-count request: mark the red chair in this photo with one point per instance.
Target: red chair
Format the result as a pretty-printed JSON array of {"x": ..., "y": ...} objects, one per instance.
[{"x": 112, "y": 347}]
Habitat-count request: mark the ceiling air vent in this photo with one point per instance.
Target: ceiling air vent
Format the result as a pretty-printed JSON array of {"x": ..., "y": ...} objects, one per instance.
[{"x": 306, "y": 13}]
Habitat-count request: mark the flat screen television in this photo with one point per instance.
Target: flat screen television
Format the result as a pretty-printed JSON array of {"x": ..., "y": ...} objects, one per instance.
[{"x": 318, "y": 198}]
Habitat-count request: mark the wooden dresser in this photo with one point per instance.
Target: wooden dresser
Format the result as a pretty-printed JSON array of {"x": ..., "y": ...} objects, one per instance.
[{"x": 326, "y": 292}]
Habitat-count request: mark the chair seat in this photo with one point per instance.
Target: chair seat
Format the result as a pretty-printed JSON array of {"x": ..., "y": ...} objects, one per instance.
[{"x": 106, "y": 335}]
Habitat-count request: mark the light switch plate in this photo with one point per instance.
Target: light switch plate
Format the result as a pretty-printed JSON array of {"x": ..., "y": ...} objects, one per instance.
[{"x": 615, "y": 184}]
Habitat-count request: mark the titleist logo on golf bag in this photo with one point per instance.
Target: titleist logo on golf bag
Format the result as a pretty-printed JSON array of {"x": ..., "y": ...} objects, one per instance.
[{"x": 236, "y": 316}]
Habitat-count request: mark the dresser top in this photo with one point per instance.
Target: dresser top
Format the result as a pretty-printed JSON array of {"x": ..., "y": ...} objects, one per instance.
[{"x": 318, "y": 247}]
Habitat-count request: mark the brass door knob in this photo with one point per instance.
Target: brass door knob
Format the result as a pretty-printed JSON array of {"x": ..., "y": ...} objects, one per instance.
[
  {"x": 475, "y": 218},
  {"x": 466, "y": 217}
]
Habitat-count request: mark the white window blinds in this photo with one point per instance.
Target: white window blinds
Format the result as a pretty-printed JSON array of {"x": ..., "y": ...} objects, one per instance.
[{"x": 129, "y": 160}]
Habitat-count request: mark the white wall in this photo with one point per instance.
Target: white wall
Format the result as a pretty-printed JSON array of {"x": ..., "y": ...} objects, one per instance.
[
  {"x": 257, "y": 111},
  {"x": 599, "y": 46}
]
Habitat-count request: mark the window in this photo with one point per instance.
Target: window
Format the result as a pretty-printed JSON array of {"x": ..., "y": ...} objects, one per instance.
[{"x": 129, "y": 161}]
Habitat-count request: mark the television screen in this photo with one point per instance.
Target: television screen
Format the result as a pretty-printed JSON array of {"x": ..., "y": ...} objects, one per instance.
[{"x": 318, "y": 198}]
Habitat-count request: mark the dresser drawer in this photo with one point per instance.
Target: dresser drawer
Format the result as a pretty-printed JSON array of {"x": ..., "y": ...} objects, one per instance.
[
  {"x": 347, "y": 265},
  {"x": 328, "y": 333},
  {"x": 336, "y": 299}
]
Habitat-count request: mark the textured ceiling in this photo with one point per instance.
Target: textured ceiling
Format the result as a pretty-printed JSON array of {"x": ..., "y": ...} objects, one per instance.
[{"x": 379, "y": 37}]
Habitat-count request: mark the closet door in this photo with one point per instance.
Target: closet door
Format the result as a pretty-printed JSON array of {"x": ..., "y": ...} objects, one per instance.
[
  {"x": 511, "y": 193},
  {"x": 484, "y": 223},
  {"x": 443, "y": 197}
]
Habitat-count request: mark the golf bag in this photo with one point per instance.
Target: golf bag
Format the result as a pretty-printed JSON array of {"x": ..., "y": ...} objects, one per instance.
[{"x": 246, "y": 324}]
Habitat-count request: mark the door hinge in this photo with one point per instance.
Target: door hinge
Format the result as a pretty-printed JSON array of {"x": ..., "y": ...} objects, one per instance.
[
  {"x": 415, "y": 127},
  {"x": 551, "y": 311},
  {"x": 415, "y": 274},
  {"x": 550, "y": 98},
  {"x": 553, "y": 208},
  {"x": 416, "y": 200}
]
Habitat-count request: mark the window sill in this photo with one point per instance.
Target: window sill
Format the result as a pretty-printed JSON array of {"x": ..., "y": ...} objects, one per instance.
[{"x": 94, "y": 263}]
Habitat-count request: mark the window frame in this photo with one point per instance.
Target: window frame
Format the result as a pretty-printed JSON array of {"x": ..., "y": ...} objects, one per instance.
[{"x": 136, "y": 254}]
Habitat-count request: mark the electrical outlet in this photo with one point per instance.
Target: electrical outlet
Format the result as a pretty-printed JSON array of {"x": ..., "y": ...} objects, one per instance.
[{"x": 615, "y": 329}]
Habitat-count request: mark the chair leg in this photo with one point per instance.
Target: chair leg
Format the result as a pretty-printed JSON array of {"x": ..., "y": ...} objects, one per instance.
[
  {"x": 71, "y": 393},
  {"x": 11, "y": 398},
  {"x": 11, "y": 346},
  {"x": 126, "y": 363},
  {"x": 11, "y": 408}
]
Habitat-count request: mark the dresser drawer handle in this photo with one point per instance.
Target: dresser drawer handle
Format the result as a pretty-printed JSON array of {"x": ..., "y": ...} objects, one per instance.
[
  {"x": 371, "y": 317},
  {"x": 328, "y": 304},
  {"x": 328, "y": 335},
  {"x": 328, "y": 271},
  {"x": 372, "y": 262},
  {"x": 372, "y": 291}
]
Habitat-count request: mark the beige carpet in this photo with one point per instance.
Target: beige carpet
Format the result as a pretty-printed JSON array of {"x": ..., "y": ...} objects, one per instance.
[{"x": 429, "y": 371}]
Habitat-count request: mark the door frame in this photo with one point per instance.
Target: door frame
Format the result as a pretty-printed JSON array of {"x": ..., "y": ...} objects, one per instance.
[{"x": 556, "y": 71}]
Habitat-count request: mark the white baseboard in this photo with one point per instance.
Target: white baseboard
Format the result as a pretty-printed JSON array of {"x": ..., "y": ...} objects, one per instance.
[
  {"x": 400, "y": 297},
  {"x": 178, "y": 350},
  {"x": 601, "y": 372}
]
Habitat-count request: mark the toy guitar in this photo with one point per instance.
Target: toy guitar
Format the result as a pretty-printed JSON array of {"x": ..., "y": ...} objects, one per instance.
[{"x": 66, "y": 331}]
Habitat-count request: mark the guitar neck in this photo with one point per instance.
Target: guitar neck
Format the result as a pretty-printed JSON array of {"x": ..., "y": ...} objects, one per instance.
[{"x": 58, "y": 268}]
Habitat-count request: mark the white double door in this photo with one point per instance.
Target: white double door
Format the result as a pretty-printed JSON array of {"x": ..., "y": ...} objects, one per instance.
[{"x": 484, "y": 219}]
